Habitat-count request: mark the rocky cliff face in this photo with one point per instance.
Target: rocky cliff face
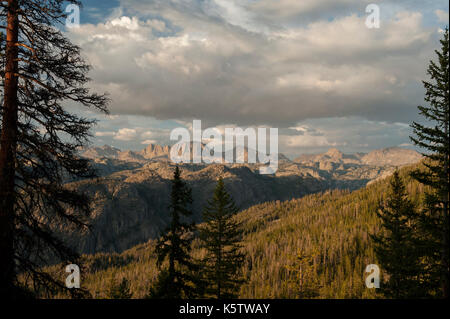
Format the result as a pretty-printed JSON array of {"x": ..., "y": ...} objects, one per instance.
[
  {"x": 154, "y": 151},
  {"x": 130, "y": 199}
]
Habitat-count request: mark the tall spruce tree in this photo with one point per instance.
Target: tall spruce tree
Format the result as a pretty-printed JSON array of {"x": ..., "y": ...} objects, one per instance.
[
  {"x": 396, "y": 244},
  {"x": 435, "y": 138},
  {"x": 42, "y": 74},
  {"x": 177, "y": 280},
  {"x": 220, "y": 236}
]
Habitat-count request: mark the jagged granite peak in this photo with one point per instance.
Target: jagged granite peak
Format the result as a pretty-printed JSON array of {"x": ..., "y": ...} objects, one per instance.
[
  {"x": 334, "y": 153},
  {"x": 158, "y": 152},
  {"x": 155, "y": 150}
]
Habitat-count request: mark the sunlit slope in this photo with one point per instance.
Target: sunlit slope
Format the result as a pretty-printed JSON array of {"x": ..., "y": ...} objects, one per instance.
[{"x": 330, "y": 230}]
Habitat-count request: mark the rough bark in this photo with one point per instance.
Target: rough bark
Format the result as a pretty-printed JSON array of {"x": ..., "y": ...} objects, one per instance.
[{"x": 8, "y": 145}]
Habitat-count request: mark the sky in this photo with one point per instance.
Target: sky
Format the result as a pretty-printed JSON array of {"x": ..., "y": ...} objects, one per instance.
[{"x": 310, "y": 68}]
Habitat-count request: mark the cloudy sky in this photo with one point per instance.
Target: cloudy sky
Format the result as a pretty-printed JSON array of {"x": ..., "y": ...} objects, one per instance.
[{"x": 310, "y": 68}]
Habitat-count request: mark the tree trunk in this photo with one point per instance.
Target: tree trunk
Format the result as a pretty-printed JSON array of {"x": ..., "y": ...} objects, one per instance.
[
  {"x": 8, "y": 145},
  {"x": 445, "y": 248}
]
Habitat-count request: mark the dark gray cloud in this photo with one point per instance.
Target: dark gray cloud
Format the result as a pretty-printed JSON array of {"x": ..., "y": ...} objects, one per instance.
[{"x": 257, "y": 63}]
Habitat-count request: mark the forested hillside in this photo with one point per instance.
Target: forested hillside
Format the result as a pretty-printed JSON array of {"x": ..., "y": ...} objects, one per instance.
[
  {"x": 129, "y": 200},
  {"x": 314, "y": 247}
]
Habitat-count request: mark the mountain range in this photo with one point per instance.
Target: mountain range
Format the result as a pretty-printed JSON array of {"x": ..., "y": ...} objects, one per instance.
[
  {"x": 152, "y": 151},
  {"x": 130, "y": 196}
]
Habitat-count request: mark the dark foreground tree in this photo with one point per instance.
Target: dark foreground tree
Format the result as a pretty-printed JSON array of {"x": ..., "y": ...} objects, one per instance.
[
  {"x": 43, "y": 75},
  {"x": 177, "y": 280},
  {"x": 434, "y": 219},
  {"x": 396, "y": 244},
  {"x": 220, "y": 236}
]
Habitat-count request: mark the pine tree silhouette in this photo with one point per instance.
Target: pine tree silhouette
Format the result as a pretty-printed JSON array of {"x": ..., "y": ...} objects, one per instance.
[
  {"x": 434, "y": 219},
  {"x": 396, "y": 244},
  {"x": 177, "y": 280},
  {"x": 220, "y": 236}
]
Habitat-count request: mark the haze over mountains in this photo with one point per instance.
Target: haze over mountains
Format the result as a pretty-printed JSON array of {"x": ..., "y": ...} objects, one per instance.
[
  {"x": 131, "y": 195},
  {"x": 152, "y": 151},
  {"x": 387, "y": 156},
  {"x": 393, "y": 156}
]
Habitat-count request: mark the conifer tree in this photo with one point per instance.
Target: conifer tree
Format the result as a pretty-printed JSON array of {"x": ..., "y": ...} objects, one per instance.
[
  {"x": 434, "y": 219},
  {"x": 304, "y": 275},
  {"x": 396, "y": 244},
  {"x": 220, "y": 236},
  {"x": 119, "y": 290},
  {"x": 177, "y": 280},
  {"x": 42, "y": 74}
]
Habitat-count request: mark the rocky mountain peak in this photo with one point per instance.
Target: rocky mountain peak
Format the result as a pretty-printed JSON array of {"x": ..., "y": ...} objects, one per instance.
[
  {"x": 394, "y": 156},
  {"x": 107, "y": 147},
  {"x": 154, "y": 150},
  {"x": 333, "y": 158},
  {"x": 100, "y": 152},
  {"x": 334, "y": 153}
]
